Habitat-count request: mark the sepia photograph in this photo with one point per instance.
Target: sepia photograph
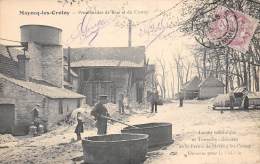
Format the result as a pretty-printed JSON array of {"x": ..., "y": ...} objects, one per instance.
[{"x": 129, "y": 82}]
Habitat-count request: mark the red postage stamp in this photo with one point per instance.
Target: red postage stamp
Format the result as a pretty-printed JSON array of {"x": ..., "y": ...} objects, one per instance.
[{"x": 232, "y": 28}]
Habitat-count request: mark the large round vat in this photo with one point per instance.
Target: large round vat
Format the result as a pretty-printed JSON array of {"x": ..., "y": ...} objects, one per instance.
[
  {"x": 159, "y": 133},
  {"x": 46, "y": 35},
  {"x": 115, "y": 149}
]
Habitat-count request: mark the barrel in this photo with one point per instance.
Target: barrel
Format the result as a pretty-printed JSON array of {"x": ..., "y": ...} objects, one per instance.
[
  {"x": 160, "y": 134},
  {"x": 115, "y": 149}
]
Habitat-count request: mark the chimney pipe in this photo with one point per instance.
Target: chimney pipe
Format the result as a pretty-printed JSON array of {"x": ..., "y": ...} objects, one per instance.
[
  {"x": 69, "y": 77},
  {"x": 129, "y": 32},
  {"x": 23, "y": 67}
]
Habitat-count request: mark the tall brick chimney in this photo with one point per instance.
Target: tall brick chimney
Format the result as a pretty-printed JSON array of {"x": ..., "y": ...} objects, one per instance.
[
  {"x": 129, "y": 32},
  {"x": 46, "y": 53},
  {"x": 23, "y": 67}
]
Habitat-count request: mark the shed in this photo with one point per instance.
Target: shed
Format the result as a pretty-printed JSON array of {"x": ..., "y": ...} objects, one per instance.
[
  {"x": 210, "y": 87},
  {"x": 191, "y": 88}
]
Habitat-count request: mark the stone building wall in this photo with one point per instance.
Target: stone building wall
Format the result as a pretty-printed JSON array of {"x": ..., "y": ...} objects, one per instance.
[
  {"x": 52, "y": 65},
  {"x": 25, "y": 101}
]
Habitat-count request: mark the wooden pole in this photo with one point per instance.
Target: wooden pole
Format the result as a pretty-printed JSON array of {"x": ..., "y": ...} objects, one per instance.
[
  {"x": 69, "y": 75},
  {"x": 119, "y": 121}
]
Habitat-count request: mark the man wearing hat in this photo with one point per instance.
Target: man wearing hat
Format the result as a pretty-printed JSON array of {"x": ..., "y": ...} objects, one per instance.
[
  {"x": 100, "y": 113},
  {"x": 121, "y": 106}
]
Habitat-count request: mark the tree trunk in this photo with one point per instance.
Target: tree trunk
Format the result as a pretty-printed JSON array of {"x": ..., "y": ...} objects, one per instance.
[
  {"x": 249, "y": 73},
  {"x": 187, "y": 73},
  {"x": 227, "y": 74},
  {"x": 204, "y": 64},
  {"x": 256, "y": 79},
  {"x": 172, "y": 84},
  {"x": 244, "y": 71}
]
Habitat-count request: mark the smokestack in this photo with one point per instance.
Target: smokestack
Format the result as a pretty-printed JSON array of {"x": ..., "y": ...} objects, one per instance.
[
  {"x": 69, "y": 78},
  {"x": 23, "y": 67},
  {"x": 129, "y": 32},
  {"x": 46, "y": 63}
]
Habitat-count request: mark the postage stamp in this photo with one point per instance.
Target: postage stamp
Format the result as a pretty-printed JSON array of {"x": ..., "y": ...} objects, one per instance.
[{"x": 232, "y": 28}]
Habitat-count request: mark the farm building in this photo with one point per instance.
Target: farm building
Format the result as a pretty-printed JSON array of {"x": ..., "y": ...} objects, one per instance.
[
  {"x": 34, "y": 77},
  {"x": 191, "y": 88},
  {"x": 109, "y": 71},
  {"x": 210, "y": 87},
  {"x": 18, "y": 98}
]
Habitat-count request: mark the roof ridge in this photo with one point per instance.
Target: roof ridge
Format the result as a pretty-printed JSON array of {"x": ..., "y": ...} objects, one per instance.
[
  {"x": 18, "y": 82},
  {"x": 105, "y": 47}
]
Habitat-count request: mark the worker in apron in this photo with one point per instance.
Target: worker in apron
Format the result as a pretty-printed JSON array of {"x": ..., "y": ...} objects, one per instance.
[
  {"x": 100, "y": 114},
  {"x": 181, "y": 97},
  {"x": 154, "y": 103},
  {"x": 79, "y": 128}
]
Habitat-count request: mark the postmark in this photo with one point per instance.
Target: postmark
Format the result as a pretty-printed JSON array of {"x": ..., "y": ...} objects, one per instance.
[
  {"x": 220, "y": 27},
  {"x": 215, "y": 27}
]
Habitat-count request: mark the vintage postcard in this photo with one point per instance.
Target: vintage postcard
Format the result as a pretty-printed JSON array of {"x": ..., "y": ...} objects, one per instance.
[{"x": 130, "y": 81}]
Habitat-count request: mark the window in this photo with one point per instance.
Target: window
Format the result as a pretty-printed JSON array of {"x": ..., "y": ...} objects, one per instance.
[
  {"x": 1, "y": 88},
  {"x": 60, "y": 107}
]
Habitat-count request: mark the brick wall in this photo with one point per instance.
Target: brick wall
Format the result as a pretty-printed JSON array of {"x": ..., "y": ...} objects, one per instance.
[
  {"x": 25, "y": 101},
  {"x": 8, "y": 66},
  {"x": 54, "y": 116},
  {"x": 52, "y": 65},
  {"x": 46, "y": 63},
  {"x": 35, "y": 53}
]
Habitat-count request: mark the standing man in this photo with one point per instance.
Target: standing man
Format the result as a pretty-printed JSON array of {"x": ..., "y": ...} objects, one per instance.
[
  {"x": 36, "y": 118},
  {"x": 245, "y": 102},
  {"x": 79, "y": 128},
  {"x": 100, "y": 113},
  {"x": 154, "y": 102},
  {"x": 121, "y": 104},
  {"x": 181, "y": 99},
  {"x": 231, "y": 98}
]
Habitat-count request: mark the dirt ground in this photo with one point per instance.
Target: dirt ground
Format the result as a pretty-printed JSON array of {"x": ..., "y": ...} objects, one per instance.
[{"x": 201, "y": 136}]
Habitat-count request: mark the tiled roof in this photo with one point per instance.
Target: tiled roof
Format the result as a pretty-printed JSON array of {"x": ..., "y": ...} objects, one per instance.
[
  {"x": 211, "y": 81},
  {"x": 48, "y": 91},
  {"x": 13, "y": 52},
  {"x": 105, "y": 63},
  {"x": 107, "y": 56}
]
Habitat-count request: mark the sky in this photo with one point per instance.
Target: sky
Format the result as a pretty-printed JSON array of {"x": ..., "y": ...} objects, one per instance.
[{"x": 105, "y": 25}]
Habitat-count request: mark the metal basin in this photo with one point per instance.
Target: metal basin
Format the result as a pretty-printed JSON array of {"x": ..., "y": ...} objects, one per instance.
[
  {"x": 159, "y": 133},
  {"x": 115, "y": 149}
]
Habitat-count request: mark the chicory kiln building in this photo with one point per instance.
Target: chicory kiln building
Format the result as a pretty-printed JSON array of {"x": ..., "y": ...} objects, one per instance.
[
  {"x": 191, "y": 88},
  {"x": 111, "y": 71},
  {"x": 34, "y": 78},
  {"x": 210, "y": 87}
]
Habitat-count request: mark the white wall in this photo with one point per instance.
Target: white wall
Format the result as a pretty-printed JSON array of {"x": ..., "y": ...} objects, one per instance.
[{"x": 209, "y": 92}]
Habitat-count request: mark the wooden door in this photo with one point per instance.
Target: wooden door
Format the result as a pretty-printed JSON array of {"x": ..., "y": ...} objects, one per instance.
[{"x": 6, "y": 118}]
